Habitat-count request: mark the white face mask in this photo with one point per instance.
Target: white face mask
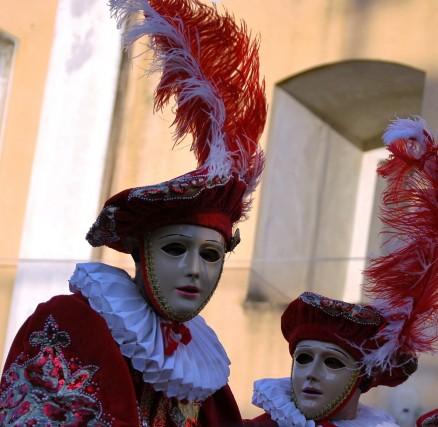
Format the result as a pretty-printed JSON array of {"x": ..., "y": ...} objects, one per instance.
[
  {"x": 323, "y": 375},
  {"x": 184, "y": 264}
]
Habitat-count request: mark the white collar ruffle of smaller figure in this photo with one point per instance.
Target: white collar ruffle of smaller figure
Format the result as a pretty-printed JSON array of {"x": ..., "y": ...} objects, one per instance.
[
  {"x": 273, "y": 395},
  {"x": 193, "y": 372}
]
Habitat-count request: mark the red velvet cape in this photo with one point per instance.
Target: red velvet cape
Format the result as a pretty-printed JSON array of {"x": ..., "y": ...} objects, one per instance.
[
  {"x": 263, "y": 420},
  {"x": 65, "y": 367}
]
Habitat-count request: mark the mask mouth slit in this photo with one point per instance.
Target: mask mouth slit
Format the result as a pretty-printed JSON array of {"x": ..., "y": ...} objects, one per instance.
[
  {"x": 309, "y": 390},
  {"x": 189, "y": 289}
]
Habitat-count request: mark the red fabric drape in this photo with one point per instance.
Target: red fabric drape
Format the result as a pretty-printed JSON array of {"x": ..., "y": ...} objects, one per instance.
[{"x": 65, "y": 353}]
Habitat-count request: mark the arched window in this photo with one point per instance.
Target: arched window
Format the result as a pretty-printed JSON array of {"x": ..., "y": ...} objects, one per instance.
[{"x": 317, "y": 221}]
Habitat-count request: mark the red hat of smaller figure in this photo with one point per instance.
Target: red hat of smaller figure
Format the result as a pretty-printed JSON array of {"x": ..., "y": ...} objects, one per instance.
[
  {"x": 210, "y": 67},
  {"x": 353, "y": 327}
]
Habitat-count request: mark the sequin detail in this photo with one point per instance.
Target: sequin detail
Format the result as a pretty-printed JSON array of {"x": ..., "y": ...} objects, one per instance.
[
  {"x": 357, "y": 313},
  {"x": 103, "y": 230},
  {"x": 184, "y": 187},
  {"x": 48, "y": 389}
]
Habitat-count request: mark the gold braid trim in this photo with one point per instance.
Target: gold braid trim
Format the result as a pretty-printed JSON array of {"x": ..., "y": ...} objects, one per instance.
[
  {"x": 155, "y": 285},
  {"x": 333, "y": 405}
]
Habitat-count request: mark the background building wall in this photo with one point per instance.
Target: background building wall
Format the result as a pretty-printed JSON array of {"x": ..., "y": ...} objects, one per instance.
[
  {"x": 70, "y": 155},
  {"x": 306, "y": 216},
  {"x": 30, "y": 26}
]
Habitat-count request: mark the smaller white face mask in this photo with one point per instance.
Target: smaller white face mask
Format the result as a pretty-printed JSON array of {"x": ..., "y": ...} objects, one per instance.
[
  {"x": 184, "y": 264},
  {"x": 323, "y": 375}
]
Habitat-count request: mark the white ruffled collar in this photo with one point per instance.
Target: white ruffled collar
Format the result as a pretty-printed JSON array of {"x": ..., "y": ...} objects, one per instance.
[
  {"x": 193, "y": 372},
  {"x": 274, "y": 397}
]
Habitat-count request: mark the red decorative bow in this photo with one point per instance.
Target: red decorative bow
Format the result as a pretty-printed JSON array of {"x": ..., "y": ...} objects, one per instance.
[{"x": 173, "y": 334}]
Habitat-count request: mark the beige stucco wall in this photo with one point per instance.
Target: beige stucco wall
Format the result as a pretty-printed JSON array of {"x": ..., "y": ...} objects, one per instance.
[
  {"x": 299, "y": 35},
  {"x": 306, "y": 216},
  {"x": 70, "y": 154},
  {"x": 30, "y": 23}
]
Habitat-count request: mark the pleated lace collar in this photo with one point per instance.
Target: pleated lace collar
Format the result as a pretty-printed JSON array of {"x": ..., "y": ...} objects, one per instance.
[
  {"x": 193, "y": 372},
  {"x": 274, "y": 397}
]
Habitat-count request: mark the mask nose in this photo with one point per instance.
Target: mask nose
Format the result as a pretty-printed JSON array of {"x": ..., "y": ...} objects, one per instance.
[
  {"x": 314, "y": 370},
  {"x": 193, "y": 264}
]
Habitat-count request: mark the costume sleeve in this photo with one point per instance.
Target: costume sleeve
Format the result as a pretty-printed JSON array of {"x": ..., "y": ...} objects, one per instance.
[
  {"x": 220, "y": 410},
  {"x": 263, "y": 420},
  {"x": 65, "y": 369}
]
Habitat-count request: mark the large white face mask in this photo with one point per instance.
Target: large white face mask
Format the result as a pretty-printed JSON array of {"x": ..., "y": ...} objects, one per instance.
[
  {"x": 184, "y": 264},
  {"x": 323, "y": 376}
]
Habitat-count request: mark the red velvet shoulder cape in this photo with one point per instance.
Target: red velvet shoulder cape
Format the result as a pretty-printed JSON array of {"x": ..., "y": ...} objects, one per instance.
[{"x": 65, "y": 367}]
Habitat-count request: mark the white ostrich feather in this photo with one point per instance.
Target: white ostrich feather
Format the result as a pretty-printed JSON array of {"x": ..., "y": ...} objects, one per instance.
[
  {"x": 383, "y": 357},
  {"x": 405, "y": 129},
  {"x": 219, "y": 161}
]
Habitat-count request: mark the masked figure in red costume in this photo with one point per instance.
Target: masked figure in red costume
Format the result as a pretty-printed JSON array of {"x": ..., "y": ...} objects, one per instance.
[
  {"x": 123, "y": 352},
  {"x": 341, "y": 350}
]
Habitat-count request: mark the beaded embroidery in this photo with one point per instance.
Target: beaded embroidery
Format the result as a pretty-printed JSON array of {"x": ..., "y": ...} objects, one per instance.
[
  {"x": 185, "y": 187},
  {"x": 104, "y": 229},
  {"x": 337, "y": 402},
  {"x": 357, "y": 313},
  {"x": 48, "y": 389}
]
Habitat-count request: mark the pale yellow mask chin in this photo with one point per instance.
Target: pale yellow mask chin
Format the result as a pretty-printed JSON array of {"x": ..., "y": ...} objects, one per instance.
[
  {"x": 184, "y": 265},
  {"x": 323, "y": 376}
]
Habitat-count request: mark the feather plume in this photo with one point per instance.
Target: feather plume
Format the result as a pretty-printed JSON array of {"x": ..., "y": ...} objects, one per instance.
[
  {"x": 403, "y": 285},
  {"x": 210, "y": 66}
]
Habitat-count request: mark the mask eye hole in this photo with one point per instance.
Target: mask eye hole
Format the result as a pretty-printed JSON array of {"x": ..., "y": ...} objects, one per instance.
[
  {"x": 174, "y": 249},
  {"x": 334, "y": 363},
  {"x": 304, "y": 358},
  {"x": 210, "y": 255}
]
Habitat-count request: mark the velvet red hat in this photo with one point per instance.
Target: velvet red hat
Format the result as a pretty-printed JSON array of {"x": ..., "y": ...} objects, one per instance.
[
  {"x": 210, "y": 67},
  {"x": 353, "y": 327},
  {"x": 193, "y": 198}
]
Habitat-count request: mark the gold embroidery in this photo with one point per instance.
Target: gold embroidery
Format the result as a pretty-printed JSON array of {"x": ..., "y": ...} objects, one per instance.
[
  {"x": 157, "y": 410},
  {"x": 338, "y": 401},
  {"x": 155, "y": 286}
]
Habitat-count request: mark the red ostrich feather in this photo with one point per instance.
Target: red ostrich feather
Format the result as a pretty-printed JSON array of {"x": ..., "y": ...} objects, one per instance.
[
  {"x": 404, "y": 283},
  {"x": 210, "y": 66}
]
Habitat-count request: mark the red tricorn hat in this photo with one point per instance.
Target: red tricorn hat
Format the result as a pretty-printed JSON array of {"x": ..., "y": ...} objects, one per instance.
[
  {"x": 210, "y": 66},
  {"x": 353, "y": 327},
  {"x": 193, "y": 198}
]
